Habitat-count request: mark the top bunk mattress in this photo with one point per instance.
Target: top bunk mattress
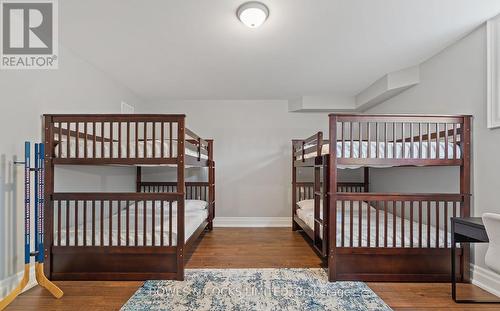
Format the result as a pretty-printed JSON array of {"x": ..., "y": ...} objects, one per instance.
[
  {"x": 105, "y": 151},
  {"x": 399, "y": 150}
]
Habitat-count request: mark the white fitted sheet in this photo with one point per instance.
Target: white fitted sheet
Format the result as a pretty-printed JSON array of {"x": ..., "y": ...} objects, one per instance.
[
  {"x": 123, "y": 146},
  {"x": 194, "y": 216},
  {"x": 408, "y": 152},
  {"x": 307, "y": 215}
]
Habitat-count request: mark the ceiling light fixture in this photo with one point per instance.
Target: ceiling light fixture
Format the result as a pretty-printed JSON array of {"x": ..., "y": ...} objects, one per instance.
[{"x": 252, "y": 14}]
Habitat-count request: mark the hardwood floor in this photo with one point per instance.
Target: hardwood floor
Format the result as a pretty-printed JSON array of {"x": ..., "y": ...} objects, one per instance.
[{"x": 243, "y": 248}]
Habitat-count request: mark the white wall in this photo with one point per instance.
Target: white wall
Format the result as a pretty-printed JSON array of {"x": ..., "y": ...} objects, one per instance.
[
  {"x": 76, "y": 87},
  {"x": 452, "y": 82},
  {"x": 252, "y": 150}
]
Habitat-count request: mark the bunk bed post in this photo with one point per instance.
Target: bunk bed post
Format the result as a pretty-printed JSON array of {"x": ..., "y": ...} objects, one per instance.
[
  {"x": 180, "y": 203},
  {"x": 465, "y": 190},
  {"x": 366, "y": 176},
  {"x": 332, "y": 213},
  {"x": 48, "y": 224},
  {"x": 211, "y": 184},
  {"x": 295, "y": 227},
  {"x": 138, "y": 179},
  {"x": 326, "y": 204}
]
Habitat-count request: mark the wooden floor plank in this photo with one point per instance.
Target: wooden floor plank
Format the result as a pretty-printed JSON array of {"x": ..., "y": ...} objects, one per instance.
[{"x": 243, "y": 248}]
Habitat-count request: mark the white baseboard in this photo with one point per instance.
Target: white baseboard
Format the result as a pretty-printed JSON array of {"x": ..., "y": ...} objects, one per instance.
[
  {"x": 252, "y": 222},
  {"x": 8, "y": 284},
  {"x": 486, "y": 279}
]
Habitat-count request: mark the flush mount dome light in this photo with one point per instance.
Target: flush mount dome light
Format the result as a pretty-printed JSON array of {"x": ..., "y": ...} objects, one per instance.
[{"x": 253, "y": 14}]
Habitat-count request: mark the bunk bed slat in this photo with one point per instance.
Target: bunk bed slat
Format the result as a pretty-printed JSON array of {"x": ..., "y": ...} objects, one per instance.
[
  {"x": 421, "y": 151},
  {"x": 455, "y": 141},
  {"x": 153, "y": 218},
  {"x": 85, "y": 142},
  {"x": 162, "y": 138},
  {"x": 93, "y": 223},
  {"x": 403, "y": 140},
  {"x": 394, "y": 224},
  {"x": 360, "y": 134},
  {"x": 169, "y": 223},
  {"x": 110, "y": 229},
  {"x": 136, "y": 138},
  {"x": 145, "y": 140},
  {"x": 127, "y": 220},
  {"x": 385, "y": 222},
  {"x": 411, "y": 222},
  {"x": 162, "y": 211},
  {"x": 360, "y": 220},
  {"x": 351, "y": 152},
  {"x": 85, "y": 223},
  {"x": 420, "y": 221},
  {"x": 101, "y": 224},
  {"x": 351, "y": 224},
  {"x": 386, "y": 145},
  {"x": 102, "y": 142},
  {"x": 437, "y": 207},
  {"x": 394, "y": 139},
  {"x": 76, "y": 223},
  {"x": 446, "y": 206},
  {"x": 119, "y": 230},
  {"x": 136, "y": 223},
  {"x": 428, "y": 222},
  {"x": 428, "y": 140},
  {"x": 94, "y": 140},
  {"x": 368, "y": 226},
  {"x": 412, "y": 143},
  {"x": 342, "y": 130},
  {"x": 170, "y": 134},
  {"x": 111, "y": 154},
  {"x": 403, "y": 206},
  {"x": 369, "y": 138},
  {"x": 77, "y": 147},
  {"x": 342, "y": 228},
  {"x": 145, "y": 223}
]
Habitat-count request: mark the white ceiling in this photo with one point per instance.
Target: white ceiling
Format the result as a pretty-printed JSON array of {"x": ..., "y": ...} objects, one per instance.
[{"x": 197, "y": 49}]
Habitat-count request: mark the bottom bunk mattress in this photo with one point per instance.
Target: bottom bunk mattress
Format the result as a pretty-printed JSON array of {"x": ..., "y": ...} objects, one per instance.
[
  {"x": 196, "y": 212},
  {"x": 394, "y": 225}
]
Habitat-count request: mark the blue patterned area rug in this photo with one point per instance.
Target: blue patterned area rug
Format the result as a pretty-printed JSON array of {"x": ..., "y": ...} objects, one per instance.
[{"x": 255, "y": 289}]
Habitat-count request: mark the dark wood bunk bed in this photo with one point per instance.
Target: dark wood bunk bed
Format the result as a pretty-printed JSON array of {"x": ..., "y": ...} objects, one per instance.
[
  {"x": 408, "y": 239},
  {"x": 125, "y": 236}
]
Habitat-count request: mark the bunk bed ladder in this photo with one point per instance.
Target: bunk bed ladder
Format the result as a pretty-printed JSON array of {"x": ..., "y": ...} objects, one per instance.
[{"x": 320, "y": 240}]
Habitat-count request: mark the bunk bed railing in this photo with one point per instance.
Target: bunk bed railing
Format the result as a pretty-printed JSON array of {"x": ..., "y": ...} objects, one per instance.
[
  {"x": 305, "y": 190},
  {"x": 194, "y": 190},
  {"x": 197, "y": 144},
  {"x": 395, "y": 220},
  {"x": 311, "y": 145},
  {"x": 399, "y": 140},
  {"x": 122, "y": 139},
  {"x": 117, "y": 219}
]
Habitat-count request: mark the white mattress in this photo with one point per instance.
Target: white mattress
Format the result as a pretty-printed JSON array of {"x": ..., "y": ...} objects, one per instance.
[
  {"x": 194, "y": 216},
  {"x": 390, "y": 151},
  {"x": 123, "y": 145},
  {"x": 307, "y": 215}
]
